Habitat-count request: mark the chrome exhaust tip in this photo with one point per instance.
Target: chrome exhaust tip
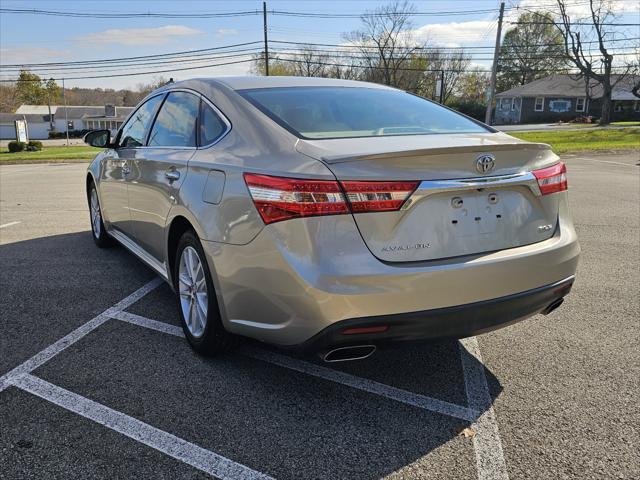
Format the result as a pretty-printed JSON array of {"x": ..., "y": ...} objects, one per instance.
[
  {"x": 555, "y": 304},
  {"x": 347, "y": 354}
]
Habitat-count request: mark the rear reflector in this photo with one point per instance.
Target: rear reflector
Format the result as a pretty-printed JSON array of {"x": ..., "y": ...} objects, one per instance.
[
  {"x": 377, "y": 196},
  {"x": 361, "y": 330},
  {"x": 552, "y": 179},
  {"x": 278, "y": 198}
]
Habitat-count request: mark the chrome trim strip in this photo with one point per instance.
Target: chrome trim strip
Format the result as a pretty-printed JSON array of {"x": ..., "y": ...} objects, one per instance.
[
  {"x": 141, "y": 253},
  {"x": 432, "y": 187}
]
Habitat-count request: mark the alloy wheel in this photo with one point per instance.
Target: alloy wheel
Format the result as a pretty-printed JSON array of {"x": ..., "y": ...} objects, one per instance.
[
  {"x": 192, "y": 285},
  {"x": 95, "y": 214}
]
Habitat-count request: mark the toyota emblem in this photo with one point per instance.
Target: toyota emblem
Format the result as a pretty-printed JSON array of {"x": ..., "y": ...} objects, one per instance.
[{"x": 485, "y": 163}]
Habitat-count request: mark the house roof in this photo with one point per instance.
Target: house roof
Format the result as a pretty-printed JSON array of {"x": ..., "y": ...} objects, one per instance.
[
  {"x": 571, "y": 86},
  {"x": 74, "y": 112}
]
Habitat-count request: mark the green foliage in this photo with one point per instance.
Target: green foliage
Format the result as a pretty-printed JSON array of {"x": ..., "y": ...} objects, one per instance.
[
  {"x": 34, "y": 146},
  {"x": 15, "y": 146},
  {"x": 533, "y": 49},
  {"x": 589, "y": 138},
  {"x": 31, "y": 89},
  {"x": 472, "y": 108},
  {"x": 72, "y": 134}
]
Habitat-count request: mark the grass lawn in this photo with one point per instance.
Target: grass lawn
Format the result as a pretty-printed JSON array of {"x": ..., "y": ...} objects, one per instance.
[
  {"x": 50, "y": 154},
  {"x": 596, "y": 139},
  {"x": 626, "y": 124}
]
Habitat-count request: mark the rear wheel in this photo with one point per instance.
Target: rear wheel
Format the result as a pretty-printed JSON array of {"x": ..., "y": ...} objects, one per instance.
[
  {"x": 196, "y": 299},
  {"x": 100, "y": 236}
]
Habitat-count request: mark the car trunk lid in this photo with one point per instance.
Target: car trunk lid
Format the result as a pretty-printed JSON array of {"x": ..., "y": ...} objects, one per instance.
[{"x": 456, "y": 209}]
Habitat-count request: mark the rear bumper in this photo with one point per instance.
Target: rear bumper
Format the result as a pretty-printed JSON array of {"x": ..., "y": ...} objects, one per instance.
[
  {"x": 298, "y": 278},
  {"x": 442, "y": 323}
]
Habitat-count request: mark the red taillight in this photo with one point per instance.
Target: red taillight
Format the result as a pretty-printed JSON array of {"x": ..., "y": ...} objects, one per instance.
[
  {"x": 278, "y": 198},
  {"x": 552, "y": 179},
  {"x": 377, "y": 196}
]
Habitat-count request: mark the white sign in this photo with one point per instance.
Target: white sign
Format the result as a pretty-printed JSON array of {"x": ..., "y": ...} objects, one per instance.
[
  {"x": 21, "y": 131},
  {"x": 438, "y": 88}
]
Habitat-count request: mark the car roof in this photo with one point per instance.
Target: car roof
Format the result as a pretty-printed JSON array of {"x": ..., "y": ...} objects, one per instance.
[{"x": 251, "y": 82}]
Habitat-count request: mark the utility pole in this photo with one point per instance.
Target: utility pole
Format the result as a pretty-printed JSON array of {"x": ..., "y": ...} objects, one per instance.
[
  {"x": 266, "y": 42},
  {"x": 494, "y": 69},
  {"x": 66, "y": 113}
]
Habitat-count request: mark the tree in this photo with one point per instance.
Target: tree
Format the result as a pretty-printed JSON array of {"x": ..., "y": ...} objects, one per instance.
[
  {"x": 595, "y": 27},
  {"x": 33, "y": 90},
  {"x": 52, "y": 93},
  {"x": 29, "y": 88},
  {"x": 532, "y": 49},
  {"x": 447, "y": 67},
  {"x": 277, "y": 67},
  {"x": 473, "y": 85},
  {"x": 386, "y": 44}
]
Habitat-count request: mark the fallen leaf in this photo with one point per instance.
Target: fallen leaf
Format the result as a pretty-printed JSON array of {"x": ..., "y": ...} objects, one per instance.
[{"x": 467, "y": 432}]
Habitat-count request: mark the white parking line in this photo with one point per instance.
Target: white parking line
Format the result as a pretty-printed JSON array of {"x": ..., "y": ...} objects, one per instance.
[
  {"x": 366, "y": 385},
  {"x": 52, "y": 350},
  {"x": 160, "y": 440},
  {"x": 10, "y": 224},
  {"x": 148, "y": 323},
  {"x": 486, "y": 442},
  {"x": 490, "y": 461}
]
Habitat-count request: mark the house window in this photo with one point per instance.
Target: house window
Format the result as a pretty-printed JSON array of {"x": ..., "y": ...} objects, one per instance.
[
  {"x": 513, "y": 104},
  {"x": 580, "y": 102},
  {"x": 636, "y": 106},
  {"x": 539, "y": 106},
  {"x": 617, "y": 107},
  {"x": 503, "y": 103}
]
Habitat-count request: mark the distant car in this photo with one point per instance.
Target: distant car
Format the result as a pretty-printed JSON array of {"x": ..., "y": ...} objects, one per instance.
[{"x": 332, "y": 215}]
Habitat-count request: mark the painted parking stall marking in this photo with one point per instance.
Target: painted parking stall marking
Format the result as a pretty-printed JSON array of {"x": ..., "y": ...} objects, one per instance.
[
  {"x": 162, "y": 441},
  {"x": 10, "y": 224},
  {"x": 490, "y": 463}
]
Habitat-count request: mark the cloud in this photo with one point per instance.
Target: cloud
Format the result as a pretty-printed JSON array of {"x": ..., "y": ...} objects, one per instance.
[
  {"x": 455, "y": 34},
  {"x": 15, "y": 55},
  {"x": 225, "y": 32},
  {"x": 140, "y": 36}
]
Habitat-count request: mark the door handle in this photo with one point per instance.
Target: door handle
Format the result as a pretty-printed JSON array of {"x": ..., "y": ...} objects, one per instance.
[{"x": 172, "y": 175}]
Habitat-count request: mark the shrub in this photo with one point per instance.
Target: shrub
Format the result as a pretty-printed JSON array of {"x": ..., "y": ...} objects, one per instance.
[
  {"x": 471, "y": 108},
  {"x": 72, "y": 134},
  {"x": 34, "y": 146},
  {"x": 16, "y": 146}
]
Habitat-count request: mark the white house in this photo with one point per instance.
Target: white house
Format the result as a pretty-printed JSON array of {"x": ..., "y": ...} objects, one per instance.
[{"x": 79, "y": 118}]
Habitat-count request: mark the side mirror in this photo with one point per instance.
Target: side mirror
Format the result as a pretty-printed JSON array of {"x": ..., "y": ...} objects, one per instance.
[{"x": 98, "y": 138}]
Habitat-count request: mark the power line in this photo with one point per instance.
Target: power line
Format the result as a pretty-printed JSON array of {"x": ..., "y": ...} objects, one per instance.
[
  {"x": 373, "y": 47},
  {"x": 141, "y": 73},
  {"x": 357, "y": 55},
  {"x": 58, "y": 13},
  {"x": 185, "y": 52},
  {"x": 147, "y": 62},
  {"x": 375, "y": 67},
  {"x": 60, "y": 71}
]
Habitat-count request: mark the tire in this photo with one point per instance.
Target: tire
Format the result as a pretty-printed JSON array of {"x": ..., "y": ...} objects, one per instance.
[
  {"x": 98, "y": 232},
  {"x": 194, "y": 290}
]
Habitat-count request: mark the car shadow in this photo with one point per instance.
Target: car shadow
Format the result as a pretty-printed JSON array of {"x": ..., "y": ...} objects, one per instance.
[{"x": 55, "y": 284}]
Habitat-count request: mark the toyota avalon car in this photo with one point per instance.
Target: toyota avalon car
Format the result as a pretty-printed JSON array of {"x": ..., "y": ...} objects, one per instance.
[{"x": 332, "y": 216}]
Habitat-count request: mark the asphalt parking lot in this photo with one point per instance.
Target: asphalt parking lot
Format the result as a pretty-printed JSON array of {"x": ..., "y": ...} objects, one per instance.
[{"x": 95, "y": 381}]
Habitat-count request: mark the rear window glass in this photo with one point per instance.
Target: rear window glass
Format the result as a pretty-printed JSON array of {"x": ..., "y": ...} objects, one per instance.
[
  {"x": 342, "y": 112},
  {"x": 212, "y": 127}
]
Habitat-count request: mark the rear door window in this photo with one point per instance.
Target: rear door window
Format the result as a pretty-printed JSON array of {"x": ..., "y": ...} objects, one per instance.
[
  {"x": 177, "y": 121},
  {"x": 134, "y": 131},
  {"x": 212, "y": 127}
]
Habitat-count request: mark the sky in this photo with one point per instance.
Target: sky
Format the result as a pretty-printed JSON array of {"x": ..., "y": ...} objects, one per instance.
[{"x": 40, "y": 38}]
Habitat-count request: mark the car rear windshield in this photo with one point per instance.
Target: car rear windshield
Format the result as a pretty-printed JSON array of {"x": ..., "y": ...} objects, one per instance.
[{"x": 342, "y": 112}]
